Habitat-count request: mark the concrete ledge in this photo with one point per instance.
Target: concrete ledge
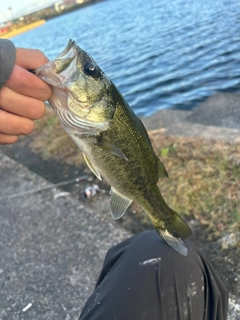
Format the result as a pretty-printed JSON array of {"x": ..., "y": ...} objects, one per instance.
[{"x": 217, "y": 118}]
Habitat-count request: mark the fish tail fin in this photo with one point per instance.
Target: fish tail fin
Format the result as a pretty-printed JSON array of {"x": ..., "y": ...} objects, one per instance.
[{"x": 175, "y": 230}]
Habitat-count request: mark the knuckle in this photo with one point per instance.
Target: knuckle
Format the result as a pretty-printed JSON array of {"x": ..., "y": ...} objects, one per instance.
[
  {"x": 24, "y": 81},
  {"x": 4, "y": 96}
]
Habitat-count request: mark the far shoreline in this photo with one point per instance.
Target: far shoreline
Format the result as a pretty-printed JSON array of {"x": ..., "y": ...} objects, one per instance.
[
  {"x": 22, "y": 29},
  {"x": 42, "y": 17}
]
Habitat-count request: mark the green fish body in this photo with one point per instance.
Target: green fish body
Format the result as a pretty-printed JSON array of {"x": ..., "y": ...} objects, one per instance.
[{"x": 113, "y": 140}]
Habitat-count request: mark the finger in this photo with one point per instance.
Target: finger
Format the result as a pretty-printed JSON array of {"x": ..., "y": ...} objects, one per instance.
[
  {"x": 12, "y": 124},
  {"x": 30, "y": 58},
  {"x": 7, "y": 139},
  {"x": 28, "y": 84},
  {"x": 23, "y": 106}
]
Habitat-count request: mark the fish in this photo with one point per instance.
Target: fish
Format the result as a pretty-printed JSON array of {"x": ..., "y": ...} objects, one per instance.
[{"x": 113, "y": 140}]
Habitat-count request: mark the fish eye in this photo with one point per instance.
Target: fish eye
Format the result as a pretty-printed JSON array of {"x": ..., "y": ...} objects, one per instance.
[{"x": 91, "y": 70}]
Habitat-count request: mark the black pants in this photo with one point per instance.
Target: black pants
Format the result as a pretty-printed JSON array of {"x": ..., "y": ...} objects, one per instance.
[{"x": 144, "y": 279}]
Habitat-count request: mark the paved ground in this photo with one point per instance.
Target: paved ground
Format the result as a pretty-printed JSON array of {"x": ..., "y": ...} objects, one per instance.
[{"x": 52, "y": 247}]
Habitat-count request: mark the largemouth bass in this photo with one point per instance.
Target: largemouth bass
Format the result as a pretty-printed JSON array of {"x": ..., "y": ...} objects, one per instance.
[{"x": 114, "y": 142}]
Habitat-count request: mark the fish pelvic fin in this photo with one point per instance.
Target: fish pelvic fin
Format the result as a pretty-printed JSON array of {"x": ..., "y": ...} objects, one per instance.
[
  {"x": 118, "y": 204},
  {"x": 174, "y": 231}
]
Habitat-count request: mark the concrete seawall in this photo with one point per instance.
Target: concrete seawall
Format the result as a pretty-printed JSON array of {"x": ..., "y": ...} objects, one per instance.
[{"x": 216, "y": 118}]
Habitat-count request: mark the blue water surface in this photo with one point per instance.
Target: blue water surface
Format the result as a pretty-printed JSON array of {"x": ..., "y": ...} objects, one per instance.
[{"x": 160, "y": 54}]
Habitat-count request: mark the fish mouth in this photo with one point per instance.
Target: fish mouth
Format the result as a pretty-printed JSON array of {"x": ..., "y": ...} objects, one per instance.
[
  {"x": 70, "y": 51},
  {"x": 62, "y": 69},
  {"x": 59, "y": 72}
]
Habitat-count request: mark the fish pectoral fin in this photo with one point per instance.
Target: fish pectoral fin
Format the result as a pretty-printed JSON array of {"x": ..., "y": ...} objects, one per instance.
[
  {"x": 91, "y": 167},
  {"x": 162, "y": 172},
  {"x": 118, "y": 204},
  {"x": 106, "y": 145}
]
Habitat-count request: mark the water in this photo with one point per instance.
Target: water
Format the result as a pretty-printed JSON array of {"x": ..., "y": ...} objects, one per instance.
[{"x": 159, "y": 53}]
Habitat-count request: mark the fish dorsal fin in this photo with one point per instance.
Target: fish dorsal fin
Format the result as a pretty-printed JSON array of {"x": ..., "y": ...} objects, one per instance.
[
  {"x": 106, "y": 145},
  {"x": 118, "y": 204},
  {"x": 91, "y": 167},
  {"x": 162, "y": 172}
]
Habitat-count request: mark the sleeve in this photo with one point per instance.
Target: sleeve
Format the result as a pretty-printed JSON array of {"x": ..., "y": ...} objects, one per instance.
[{"x": 7, "y": 60}]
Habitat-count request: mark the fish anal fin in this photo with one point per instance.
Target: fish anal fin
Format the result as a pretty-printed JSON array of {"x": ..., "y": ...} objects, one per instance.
[
  {"x": 162, "y": 172},
  {"x": 91, "y": 167},
  {"x": 106, "y": 145},
  {"x": 118, "y": 204}
]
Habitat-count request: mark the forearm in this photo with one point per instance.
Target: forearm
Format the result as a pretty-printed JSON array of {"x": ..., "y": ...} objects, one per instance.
[{"x": 7, "y": 60}]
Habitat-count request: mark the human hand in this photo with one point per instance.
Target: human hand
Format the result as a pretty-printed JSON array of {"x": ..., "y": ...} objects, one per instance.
[{"x": 22, "y": 97}]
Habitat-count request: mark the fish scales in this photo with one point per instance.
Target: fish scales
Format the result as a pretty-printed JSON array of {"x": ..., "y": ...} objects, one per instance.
[{"x": 112, "y": 138}]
